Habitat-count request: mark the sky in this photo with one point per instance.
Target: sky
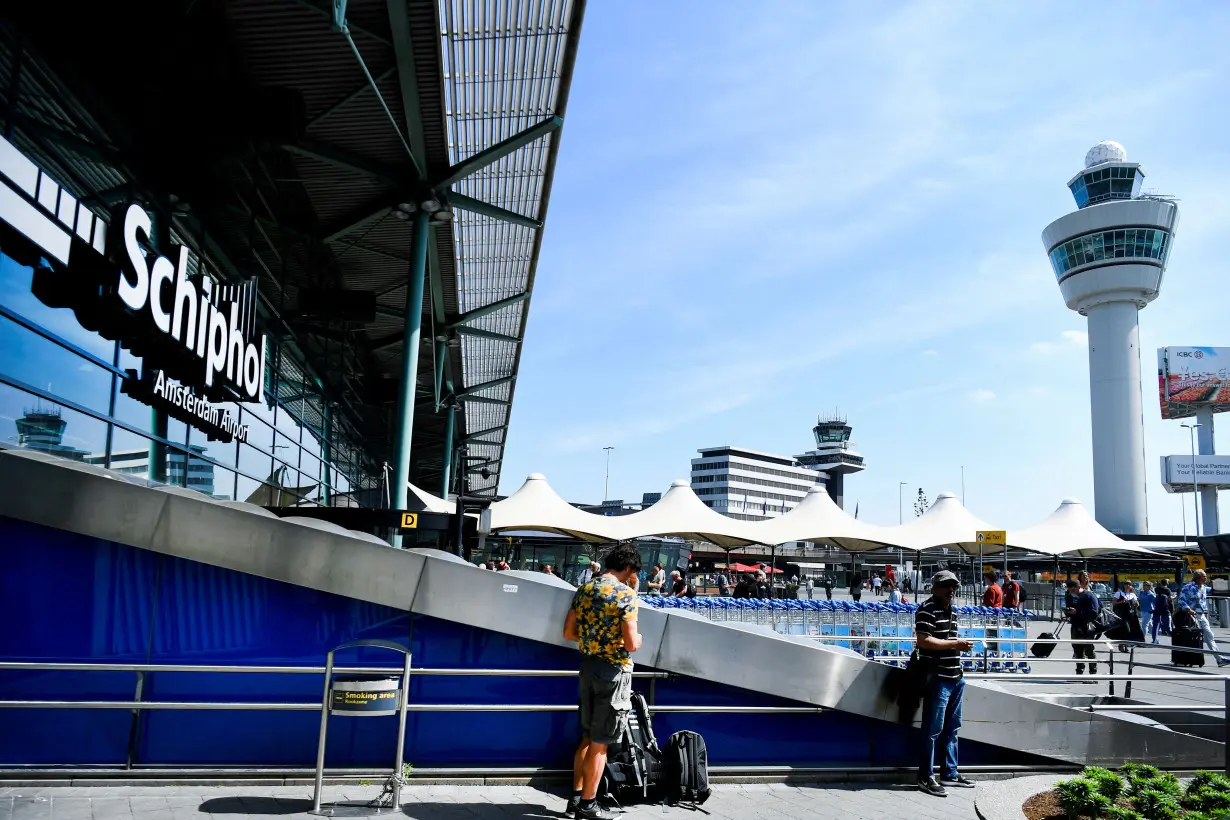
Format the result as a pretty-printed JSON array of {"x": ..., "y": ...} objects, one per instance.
[{"x": 767, "y": 212}]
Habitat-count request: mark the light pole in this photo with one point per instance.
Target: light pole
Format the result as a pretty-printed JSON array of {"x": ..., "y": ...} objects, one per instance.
[
  {"x": 1191, "y": 429},
  {"x": 900, "y": 552},
  {"x": 606, "y": 484}
]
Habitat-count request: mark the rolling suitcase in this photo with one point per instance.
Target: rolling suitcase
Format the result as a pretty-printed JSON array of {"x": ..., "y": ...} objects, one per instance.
[
  {"x": 1190, "y": 637},
  {"x": 1043, "y": 649}
]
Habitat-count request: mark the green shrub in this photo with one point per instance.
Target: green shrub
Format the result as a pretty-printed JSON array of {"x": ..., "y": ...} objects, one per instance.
[
  {"x": 1207, "y": 799},
  {"x": 1120, "y": 813},
  {"x": 1139, "y": 770},
  {"x": 1156, "y": 805},
  {"x": 1080, "y": 797},
  {"x": 1164, "y": 782},
  {"x": 1209, "y": 780},
  {"x": 1106, "y": 782}
]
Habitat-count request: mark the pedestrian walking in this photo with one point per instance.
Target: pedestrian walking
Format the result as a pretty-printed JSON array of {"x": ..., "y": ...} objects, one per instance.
[
  {"x": 856, "y": 588},
  {"x": 993, "y": 596},
  {"x": 894, "y": 596},
  {"x": 1082, "y": 608},
  {"x": 876, "y": 583},
  {"x": 1147, "y": 599},
  {"x": 1194, "y": 600},
  {"x": 828, "y": 587},
  {"x": 1163, "y": 608},
  {"x": 935, "y": 626}
]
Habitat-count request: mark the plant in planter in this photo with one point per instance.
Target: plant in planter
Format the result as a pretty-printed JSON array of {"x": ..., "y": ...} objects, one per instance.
[
  {"x": 1080, "y": 797},
  {"x": 1156, "y": 804}
]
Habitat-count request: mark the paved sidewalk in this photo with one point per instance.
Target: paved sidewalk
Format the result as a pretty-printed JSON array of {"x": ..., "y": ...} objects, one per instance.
[{"x": 871, "y": 801}]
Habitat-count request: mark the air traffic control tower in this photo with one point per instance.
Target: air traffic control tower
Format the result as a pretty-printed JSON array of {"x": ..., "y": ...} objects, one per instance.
[
  {"x": 1109, "y": 256},
  {"x": 833, "y": 455}
]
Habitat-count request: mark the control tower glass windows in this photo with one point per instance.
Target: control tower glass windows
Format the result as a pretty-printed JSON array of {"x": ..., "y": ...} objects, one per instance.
[
  {"x": 1127, "y": 243},
  {"x": 1104, "y": 184}
]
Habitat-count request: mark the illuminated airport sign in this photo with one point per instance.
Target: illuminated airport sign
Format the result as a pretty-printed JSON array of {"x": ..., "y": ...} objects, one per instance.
[{"x": 197, "y": 337}]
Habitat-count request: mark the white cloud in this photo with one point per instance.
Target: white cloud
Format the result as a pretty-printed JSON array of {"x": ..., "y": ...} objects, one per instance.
[
  {"x": 931, "y": 352},
  {"x": 981, "y": 394},
  {"x": 1076, "y": 337},
  {"x": 1071, "y": 338}
]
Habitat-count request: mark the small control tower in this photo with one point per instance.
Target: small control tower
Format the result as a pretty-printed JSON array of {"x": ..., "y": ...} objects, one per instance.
[
  {"x": 833, "y": 455},
  {"x": 1109, "y": 256}
]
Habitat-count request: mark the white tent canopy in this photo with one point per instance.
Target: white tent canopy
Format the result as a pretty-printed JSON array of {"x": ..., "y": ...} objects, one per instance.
[
  {"x": 945, "y": 524},
  {"x": 538, "y": 507},
  {"x": 679, "y": 512},
  {"x": 818, "y": 518},
  {"x": 432, "y": 503},
  {"x": 1071, "y": 530}
]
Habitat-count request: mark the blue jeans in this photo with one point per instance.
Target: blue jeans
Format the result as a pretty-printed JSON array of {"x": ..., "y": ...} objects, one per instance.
[
  {"x": 1161, "y": 620},
  {"x": 941, "y": 719}
]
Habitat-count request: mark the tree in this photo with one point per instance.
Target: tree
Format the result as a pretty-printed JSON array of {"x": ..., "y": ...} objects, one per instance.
[{"x": 920, "y": 503}]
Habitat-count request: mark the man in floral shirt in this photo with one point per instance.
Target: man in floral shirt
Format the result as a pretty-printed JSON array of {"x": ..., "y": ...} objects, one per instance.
[{"x": 602, "y": 620}]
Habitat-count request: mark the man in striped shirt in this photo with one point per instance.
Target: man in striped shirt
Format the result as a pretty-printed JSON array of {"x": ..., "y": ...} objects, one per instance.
[{"x": 935, "y": 626}]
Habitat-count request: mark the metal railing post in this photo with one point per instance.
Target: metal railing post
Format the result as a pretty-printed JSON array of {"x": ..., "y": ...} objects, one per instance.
[
  {"x": 398, "y": 766},
  {"x": 1111, "y": 651},
  {"x": 1226, "y": 739},
  {"x": 1127, "y": 687},
  {"x": 324, "y": 730}
]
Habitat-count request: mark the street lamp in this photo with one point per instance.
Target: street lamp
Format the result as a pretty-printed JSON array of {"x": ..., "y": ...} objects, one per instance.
[
  {"x": 1191, "y": 429},
  {"x": 606, "y": 484},
  {"x": 900, "y": 520}
]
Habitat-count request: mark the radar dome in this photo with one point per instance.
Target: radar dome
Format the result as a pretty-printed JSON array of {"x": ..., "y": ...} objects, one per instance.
[{"x": 1105, "y": 151}]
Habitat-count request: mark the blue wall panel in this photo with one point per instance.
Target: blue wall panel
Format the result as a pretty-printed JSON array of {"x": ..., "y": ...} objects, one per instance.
[{"x": 70, "y": 598}]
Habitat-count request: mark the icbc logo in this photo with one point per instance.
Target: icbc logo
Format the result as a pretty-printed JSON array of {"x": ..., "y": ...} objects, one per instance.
[{"x": 1189, "y": 354}]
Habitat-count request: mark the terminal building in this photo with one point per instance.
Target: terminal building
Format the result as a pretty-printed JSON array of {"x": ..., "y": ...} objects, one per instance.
[{"x": 752, "y": 485}]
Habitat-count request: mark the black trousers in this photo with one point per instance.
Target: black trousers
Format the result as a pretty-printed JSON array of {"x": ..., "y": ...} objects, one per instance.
[{"x": 1084, "y": 650}]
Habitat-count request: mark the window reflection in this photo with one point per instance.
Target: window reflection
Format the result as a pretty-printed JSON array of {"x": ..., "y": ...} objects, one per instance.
[{"x": 1130, "y": 243}]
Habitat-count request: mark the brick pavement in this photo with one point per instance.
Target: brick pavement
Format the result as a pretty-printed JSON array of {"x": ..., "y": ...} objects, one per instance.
[{"x": 870, "y": 801}]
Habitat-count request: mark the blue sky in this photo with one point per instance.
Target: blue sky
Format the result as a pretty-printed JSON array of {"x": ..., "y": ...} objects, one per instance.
[{"x": 767, "y": 211}]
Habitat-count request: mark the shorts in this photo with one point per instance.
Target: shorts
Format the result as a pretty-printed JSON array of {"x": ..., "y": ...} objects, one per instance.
[{"x": 605, "y": 700}]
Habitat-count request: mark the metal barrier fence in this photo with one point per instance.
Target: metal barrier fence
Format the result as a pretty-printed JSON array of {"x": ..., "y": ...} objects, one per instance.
[{"x": 1000, "y": 636}]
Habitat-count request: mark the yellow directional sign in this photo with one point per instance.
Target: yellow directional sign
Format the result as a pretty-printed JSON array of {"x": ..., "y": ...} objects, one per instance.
[
  {"x": 1195, "y": 562},
  {"x": 993, "y": 537},
  {"x": 409, "y": 521}
]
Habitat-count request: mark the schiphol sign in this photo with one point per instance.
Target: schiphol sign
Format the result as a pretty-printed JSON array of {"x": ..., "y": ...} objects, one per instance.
[
  {"x": 197, "y": 338},
  {"x": 1211, "y": 471}
]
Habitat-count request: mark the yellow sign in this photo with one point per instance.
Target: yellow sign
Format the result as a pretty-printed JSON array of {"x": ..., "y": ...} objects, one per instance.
[
  {"x": 409, "y": 521},
  {"x": 993, "y": 537},
  {"x": 1195, "y": 562}
]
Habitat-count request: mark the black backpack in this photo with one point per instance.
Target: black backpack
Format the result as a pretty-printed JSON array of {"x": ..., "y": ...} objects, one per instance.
[
  {"x": 634, "y": 764},
  {"x": 685, "y": 777}
]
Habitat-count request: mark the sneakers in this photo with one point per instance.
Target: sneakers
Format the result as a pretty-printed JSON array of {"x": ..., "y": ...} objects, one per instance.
[
  {"x": 932, "y": 787},
  {"x": 571, "y": 809},
  {"x": 957, "y": 782},
  {"x": 1223, "y": 661},
  {"x": 594, "y": 812}
]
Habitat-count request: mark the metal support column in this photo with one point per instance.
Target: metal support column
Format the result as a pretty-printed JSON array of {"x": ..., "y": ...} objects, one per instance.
[
  {"x": 157, "y": 469},
  {"x": 1209, "y": 523},
  {"x": 410, "y": 363},
  {"x": 326, "y": 450},
  {"x": 447, "y": 460}
]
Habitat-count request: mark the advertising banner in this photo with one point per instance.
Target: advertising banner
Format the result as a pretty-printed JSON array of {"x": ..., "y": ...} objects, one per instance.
[
  {"x": 1193, "y": 377},
  {"x": 1211, "y": 471}
]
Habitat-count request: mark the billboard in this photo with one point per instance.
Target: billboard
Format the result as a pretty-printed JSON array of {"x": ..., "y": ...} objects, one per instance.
[
  {"x": 1211, "y": 471},
  {"x": 1191, "y": 378}
]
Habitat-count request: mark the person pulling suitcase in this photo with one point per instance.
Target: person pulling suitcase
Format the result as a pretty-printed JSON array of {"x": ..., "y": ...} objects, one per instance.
[{"x": 1194, "y": 600}]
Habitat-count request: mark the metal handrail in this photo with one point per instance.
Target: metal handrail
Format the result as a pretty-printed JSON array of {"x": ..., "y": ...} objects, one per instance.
[
  {"x": 1004, "y": 639},
  {"x": 410, "y": 707},
  {"x": 303, "y": 670},
  {"x": 1148, "y": 707}
]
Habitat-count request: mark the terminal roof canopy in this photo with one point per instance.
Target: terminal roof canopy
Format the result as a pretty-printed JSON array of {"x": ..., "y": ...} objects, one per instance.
[{"x": 284, "y": 147}]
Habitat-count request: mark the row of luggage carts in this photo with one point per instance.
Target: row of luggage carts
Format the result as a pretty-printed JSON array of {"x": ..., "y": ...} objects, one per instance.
[{"x": 999, "y": 635}]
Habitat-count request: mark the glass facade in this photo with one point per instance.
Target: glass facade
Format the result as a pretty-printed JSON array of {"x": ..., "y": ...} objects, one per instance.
[
  {"x": 60, "y": 392},
  {"x": 1104, "y": 246},
  {"x": 1103, "y": 184}
]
